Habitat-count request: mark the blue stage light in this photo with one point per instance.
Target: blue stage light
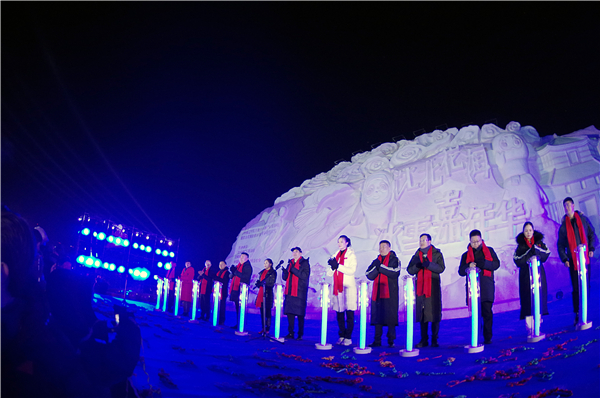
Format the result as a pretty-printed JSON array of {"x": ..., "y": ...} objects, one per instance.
[
  {"x": 172, "y": 254},
  {"x": 168, "y": 266},
  {"x": 148, "y": 249},
  {"x": 80, "y": 259},
  {"x": 121, "y": 269},
  {"x": 101, "y": 236},
  {"x": 125, "y": 242},
  {"x": 158, "y": 251},
  {"x": 89, "y": 261},
  {"x": 111, "y": 239},
  {"x": 165, "y": 253},
  {"x": 160, "y": 264},
  {"x": 143, "y": 247},
  {"x": 112, "y": 267},
  {"x": 135, "y": 245},
  {"x": 85, "y": 231},
  {"x": 117, "y": 241}
]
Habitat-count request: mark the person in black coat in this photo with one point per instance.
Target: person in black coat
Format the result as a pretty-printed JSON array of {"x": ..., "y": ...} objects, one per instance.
[
  {"x": 484, "y": 258},
  {"x": 239, "y": 274},
  {"x": 222, "y": 276},
  {"x": 297, "y": 276},
  {"x": 265, "y": 282},
  {"x": 428, "y": 263},
  {"x": 531, "y": 243},
  {"x": 206, "y": 279},
  {"x": 384, "y": 272},
  {"x": 577, "y": 231}
]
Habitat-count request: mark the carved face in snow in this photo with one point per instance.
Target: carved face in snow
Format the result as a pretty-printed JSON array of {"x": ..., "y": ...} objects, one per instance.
[
  {"x": 511, "y": 145},
  {"x": 377, "y": 190}
]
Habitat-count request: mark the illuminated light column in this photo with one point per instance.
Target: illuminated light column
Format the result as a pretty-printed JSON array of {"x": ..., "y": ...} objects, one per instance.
[
  {"x": 409, "y": 305},
  {"x": 166, "y": 285},
  {"x": 278, "y": 306},
  {"x": 177, "y": 294},
  {"x": 534, "y": 275},
  {"x": 473, "y": 287},
  {"x": 195, "y": 291},
  {"x": 159, "y": 288},
  {"x": 243, "y": 299},
  {"x": 217, "y": 300},
  {"x": 363, "y": 302},
  {"x": 583, "y": 287},
  {"x": 324, "y": 309}
]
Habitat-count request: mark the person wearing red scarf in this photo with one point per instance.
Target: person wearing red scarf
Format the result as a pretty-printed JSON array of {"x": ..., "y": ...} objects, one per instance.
[
  {"x": 264, "y": 298},
  {"x": 484, "y": 258},
  {"x": 575, "y": 229},
  {"x": 206, "y": 280},
  {"x": 427, "y": 264},
  {"x": 343, "y": 267},
  {"x": 297, "y": 277},
  {"x": 222, "y": 276},
  {"x": 242, "y": 273},
  {"x": 187, "y": 278},
  {"x": 384, "y": 272},
  {"x": 531, "y": 243}
]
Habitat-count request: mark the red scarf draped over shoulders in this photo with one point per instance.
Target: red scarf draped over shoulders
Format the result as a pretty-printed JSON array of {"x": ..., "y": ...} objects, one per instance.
[
  {"x": 381, "y": 284},
  {"x": 291, "y": 285},
  {"x": 486, "y": 254},
  {"x": 259, "y": 296},
  {"x": 236, "y": 279},
  {"x": 338, "y": 277},
  {"x": 573, "y": 240},
  {"x": 424, "y": 276}
]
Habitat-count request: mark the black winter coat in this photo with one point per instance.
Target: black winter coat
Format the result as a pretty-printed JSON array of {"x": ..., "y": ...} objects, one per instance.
[
  {"x": 521, "y": 257},
  {"x": 563, "y": 242},
  {"x": 384, "y": 311},
  {"x": 296, "y": 305},
  {"x": 244, "y": 276},
  {"x": 487, "y": 285},
  {"x": 269, "y": 282},
  {"x": 223, "y": 277},
  {"x": 428, "y": 309}
]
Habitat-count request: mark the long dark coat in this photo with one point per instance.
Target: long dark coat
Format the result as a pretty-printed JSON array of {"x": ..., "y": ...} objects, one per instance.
[
  {"x": 429, "y": 309},
  {"x": 270, "y": 280},
  {"x": 384, "y": 311},
  {"x": 244, "y": 277},
  {"x": 521, "y": 257},
  {"x": 296, "y": 305},
  {"x": 207, "y": 279},
  {"x": 487, "y": 285}
]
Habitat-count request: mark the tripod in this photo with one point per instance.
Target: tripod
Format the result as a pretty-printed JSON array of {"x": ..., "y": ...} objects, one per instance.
[{"x": 265, "y": 334}]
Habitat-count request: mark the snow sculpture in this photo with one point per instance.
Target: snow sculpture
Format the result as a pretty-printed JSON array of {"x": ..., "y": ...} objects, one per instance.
[{"x": 444, "y": 183}]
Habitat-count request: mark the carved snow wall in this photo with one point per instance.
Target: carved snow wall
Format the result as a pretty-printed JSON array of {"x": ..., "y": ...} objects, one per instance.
[{"x": 444, "y": 183}]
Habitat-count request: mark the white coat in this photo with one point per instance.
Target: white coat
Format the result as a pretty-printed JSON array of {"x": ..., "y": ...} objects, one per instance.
[{"x": 346, "y": 300}]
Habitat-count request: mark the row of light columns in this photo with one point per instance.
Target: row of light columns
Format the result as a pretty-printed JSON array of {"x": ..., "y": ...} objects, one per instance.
[{"x": 473, "y": 289}]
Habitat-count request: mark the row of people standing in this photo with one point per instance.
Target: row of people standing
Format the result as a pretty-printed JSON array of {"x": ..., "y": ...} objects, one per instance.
[{"x": 427, "y": 264}]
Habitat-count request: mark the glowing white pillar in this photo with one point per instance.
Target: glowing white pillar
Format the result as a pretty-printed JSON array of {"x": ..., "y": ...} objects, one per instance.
[
  {"x": 534, "y": 275},
  {"x": 243, "y": 300},
  {"x": 324, "y": 309},
  {"x": 159, "y": 288},
  {"x": 166, "y": 286},
  {"x": 363, "y": 302},
  {"x": 583, "y": 287},
  {"x": 409, "y": 305},
  {"x": 473, "y": 287},
  {"x": 217, "y": 300},
  {"x": 177, "y": 295},
  {"x": 278, "y": 306},
  {"x": 195, "y": 291}
]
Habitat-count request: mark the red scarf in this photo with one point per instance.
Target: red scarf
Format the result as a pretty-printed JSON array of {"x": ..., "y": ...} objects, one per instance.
[
  {"x": 291, "y": 285},
  {"x": 381, "y": 282},
  {"x": 338, "y": 277},
  {"x": 486, "y": 254},
  {"x": 573, "y": 241},
  {"x": 530, "y": 242},
  {"x": 259, "y": 296},
  {"x": 424, "y": 277},
  {"x": 236, "y": 279},
  {"x": 204, "y": 282},
  {"x": 221, "y": 273}
]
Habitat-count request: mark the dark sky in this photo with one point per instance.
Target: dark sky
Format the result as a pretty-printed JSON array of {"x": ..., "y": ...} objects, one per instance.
[{"x": 204, "y": 113}]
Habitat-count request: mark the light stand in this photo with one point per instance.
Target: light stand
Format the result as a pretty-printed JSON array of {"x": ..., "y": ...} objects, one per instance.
[
  {"x": 325, "y": 308},
  {"x": 409, "y": 305},
  {"x": 473, "y": 285},
  {"x": 363, "y": 301},
  {"x": 583, "y": 294},
  {"x": 534, "y": 275}
]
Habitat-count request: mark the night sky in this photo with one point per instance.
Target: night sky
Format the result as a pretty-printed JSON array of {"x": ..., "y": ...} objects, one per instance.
[{"x": 190, "y": 118}]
